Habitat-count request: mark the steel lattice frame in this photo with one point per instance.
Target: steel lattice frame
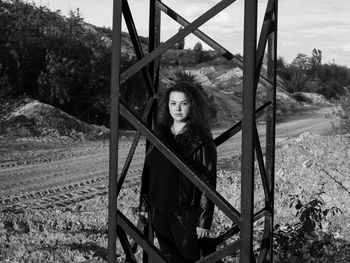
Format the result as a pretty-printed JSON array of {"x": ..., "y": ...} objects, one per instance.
[{"x": 118, "y": 225}]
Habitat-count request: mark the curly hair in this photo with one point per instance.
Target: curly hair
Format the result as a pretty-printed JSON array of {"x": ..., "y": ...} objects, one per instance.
[{"x": 198, "y": 115}]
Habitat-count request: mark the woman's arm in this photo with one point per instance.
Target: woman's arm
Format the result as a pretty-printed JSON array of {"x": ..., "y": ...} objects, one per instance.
[{"x": 208, "y": 163}]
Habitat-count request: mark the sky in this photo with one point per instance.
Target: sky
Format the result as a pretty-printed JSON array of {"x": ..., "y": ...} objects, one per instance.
[{"x": 302, "y": 24}]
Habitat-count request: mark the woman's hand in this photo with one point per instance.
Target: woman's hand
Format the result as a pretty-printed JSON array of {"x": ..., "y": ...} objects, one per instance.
[{"x": 201, "y": 232}]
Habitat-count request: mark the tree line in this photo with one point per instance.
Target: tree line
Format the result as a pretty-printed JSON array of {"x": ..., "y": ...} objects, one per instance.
[
  {"x": 65, "y": 62},
  {"x": 58, "y": 60},
  {"x": 308, "y": 74}
]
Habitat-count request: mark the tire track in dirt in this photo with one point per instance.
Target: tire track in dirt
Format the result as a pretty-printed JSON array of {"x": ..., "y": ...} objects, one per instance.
[
  {"x": 63, "y": 195},
  {"x": 81, "y": 173}
]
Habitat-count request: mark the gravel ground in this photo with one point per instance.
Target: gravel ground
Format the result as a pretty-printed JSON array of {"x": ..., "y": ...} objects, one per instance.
[
  {"x": 53, "y": 195},
  {"x": 77, "y": 232}
]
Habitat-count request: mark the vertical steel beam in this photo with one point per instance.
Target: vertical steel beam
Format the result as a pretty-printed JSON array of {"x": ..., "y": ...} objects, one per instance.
[
  {"x": 154, "y": 40},
  {"x": 271, "y": 127},
  {"x": 114, "y": 115},
  {"x": 154, "y": 34},
  {"x": 248, "y": 123}
]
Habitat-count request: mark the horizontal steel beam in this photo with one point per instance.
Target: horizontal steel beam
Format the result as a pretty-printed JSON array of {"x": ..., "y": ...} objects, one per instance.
[
  {"x": 237, "y": 127},
  {"x": 261, "y": 213},
  {"x": 233, "y": 231}
]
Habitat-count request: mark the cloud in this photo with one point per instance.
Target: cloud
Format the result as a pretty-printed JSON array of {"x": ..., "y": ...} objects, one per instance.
[
  {"x": 326, "y": 30},
  {"x": 346, "y": 47},
  {"x": 193, "y": 12}
]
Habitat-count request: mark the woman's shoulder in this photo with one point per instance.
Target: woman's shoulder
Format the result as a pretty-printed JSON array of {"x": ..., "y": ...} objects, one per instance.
[
  {"x": 204, "y": 133},
  {"x": 200, "y": 134}
]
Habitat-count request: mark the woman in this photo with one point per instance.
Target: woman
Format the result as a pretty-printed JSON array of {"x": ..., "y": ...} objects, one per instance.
[{"x": 180, "y": 213}]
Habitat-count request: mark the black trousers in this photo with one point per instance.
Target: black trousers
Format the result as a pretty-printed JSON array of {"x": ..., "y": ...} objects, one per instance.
[{"x": 176, "y": 234}]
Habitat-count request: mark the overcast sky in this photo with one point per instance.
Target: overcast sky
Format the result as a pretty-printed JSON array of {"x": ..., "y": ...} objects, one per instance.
[{"x": 303, "y": 24}]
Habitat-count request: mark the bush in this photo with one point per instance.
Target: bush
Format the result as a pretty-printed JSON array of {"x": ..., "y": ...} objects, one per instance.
[
  {"x": 300, "y": 97},
  {"x": 331, "y": 90},
  {"x": 307, "y": 240}
]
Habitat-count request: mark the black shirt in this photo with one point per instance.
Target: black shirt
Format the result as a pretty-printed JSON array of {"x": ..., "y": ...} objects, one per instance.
[{"x": 164, "y": 181}]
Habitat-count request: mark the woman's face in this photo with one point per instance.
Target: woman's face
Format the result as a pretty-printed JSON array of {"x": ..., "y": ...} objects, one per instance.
[{"x": 179, "y": 106}]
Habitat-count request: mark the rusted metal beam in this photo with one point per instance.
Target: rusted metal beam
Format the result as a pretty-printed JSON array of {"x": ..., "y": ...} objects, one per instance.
[
  {"x": 192, "y": 175},
  {"x": 114, "y": 131},
  {"x": 248, "y": 123}
]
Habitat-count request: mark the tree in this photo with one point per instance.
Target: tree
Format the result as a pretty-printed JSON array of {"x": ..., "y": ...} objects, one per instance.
[
  {"x": 316, "y": 65},
  {"x": 198, "y": 52},
  {"x": 301, "y": 62},
  {"x": 316, "y": 58}
]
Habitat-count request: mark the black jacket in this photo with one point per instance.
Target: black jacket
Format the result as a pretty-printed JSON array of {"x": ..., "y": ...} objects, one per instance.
[{"x": 197, "y": 147}]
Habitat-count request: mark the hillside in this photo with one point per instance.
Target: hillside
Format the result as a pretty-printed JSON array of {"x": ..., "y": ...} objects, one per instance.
[{"x": 65, "y": 62}]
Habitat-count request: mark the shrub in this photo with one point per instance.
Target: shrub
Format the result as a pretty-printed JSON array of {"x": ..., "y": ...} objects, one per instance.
[
  {"x": 306, "y": 240},
  {"x": 300, "y": 97}
]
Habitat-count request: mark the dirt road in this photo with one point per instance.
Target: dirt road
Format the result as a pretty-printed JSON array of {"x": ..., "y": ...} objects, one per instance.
[
  {"x": 314, "y": 120},
  {"x": 41, "y": 174}
]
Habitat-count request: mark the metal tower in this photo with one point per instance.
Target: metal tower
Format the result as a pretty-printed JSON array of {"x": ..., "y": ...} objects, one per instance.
[{"x": 254, "y": 52}]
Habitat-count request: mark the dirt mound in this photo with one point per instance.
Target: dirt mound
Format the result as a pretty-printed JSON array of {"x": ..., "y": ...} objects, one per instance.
[{"x": 31, "y": 118}]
